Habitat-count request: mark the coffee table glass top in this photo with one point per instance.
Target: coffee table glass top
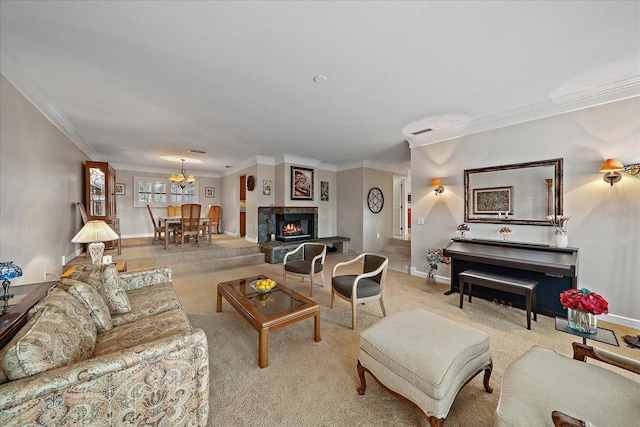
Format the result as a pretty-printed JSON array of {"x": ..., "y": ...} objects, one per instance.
[{"x": 269, "y": 303}]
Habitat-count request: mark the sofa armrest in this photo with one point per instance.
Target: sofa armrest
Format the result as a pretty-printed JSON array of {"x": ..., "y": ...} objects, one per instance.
[
  {"x": 140, "y": 279},
  {"x": 143, "y": 382},
  {"x": 582, "y": 351}
]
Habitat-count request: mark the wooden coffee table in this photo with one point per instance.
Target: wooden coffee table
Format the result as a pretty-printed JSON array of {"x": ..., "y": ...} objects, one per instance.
[{"x": 268, "y": 311}]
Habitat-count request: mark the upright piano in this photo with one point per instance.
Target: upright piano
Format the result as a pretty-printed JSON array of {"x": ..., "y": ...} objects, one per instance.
[{"x": 555, "y": 269}]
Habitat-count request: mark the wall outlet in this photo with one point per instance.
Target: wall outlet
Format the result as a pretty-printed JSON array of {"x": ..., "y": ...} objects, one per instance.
[
  {"x": 420, "y": 221},
  {"x": 63, "y": 260},
  {"x": 377, "y": 235}
]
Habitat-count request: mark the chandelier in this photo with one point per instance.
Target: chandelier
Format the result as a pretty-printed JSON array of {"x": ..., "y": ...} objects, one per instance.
[{"x": 182, "y": 179}]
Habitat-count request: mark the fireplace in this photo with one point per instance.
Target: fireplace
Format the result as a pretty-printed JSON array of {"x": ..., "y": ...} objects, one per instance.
[{"x": 295, "y": 226}]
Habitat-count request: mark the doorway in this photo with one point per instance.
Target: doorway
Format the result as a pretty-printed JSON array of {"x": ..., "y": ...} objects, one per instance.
[{"x": 243, "y": 206}]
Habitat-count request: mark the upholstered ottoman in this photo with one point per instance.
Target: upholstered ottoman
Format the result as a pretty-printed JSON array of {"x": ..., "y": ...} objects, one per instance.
[{"x": 424, "y": 358}]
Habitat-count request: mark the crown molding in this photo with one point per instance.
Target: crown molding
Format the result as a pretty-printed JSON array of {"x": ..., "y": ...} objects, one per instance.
[
  {"x": 302, "y": 161},
  {"x": 11, "y": 68},
  {"x": 617, "y": 91},
  {"x": 372, "y": 165}
]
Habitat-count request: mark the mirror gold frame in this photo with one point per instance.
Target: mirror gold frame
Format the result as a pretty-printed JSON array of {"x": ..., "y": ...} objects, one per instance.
[{"x": 553, "y": 195}]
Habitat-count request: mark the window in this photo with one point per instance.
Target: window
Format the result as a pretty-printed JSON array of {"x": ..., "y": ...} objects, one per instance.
[{"x": 158, "y": 192}]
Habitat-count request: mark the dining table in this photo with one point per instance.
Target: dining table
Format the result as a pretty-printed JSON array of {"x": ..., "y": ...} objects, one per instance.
[{"x": 168, "y": 222}]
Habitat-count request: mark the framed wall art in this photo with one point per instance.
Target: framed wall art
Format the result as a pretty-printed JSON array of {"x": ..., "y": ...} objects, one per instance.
[
  {"x": 266, "y": 187},
  {"x": 301, "y": 183},
  {"x": 209, "y": 192},
  {"x": 121, "y": 189},
  {"x": 493, "y": 200},
  {"x": 324, "y": 191}
]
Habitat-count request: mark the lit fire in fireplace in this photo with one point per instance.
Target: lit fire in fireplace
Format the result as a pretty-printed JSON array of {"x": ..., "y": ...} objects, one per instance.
[{"x": 291, "y": 229}]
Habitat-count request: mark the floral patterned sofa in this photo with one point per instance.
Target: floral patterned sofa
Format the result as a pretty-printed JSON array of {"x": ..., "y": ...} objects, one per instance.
[{"x": 106, "y": 349}]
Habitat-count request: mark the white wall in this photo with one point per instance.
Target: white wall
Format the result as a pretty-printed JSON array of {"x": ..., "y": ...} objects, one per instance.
[
  {"x": 605, "y": 220},
  {"x": 135, "y": 222},
  {"x": 327, "y": 215},
  {"x": 377, "y": 228},
  {"x": 41, "y": 178},
  {"x": 350, "y": 206}
]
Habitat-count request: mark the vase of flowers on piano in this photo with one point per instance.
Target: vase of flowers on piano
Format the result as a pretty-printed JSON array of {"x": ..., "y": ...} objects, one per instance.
[
  {"x": 505, "y": 232},
  {"x": 583, "y": 307},
  {"x": 462, "y": 229},
  {"x": 561, "y": 232}
]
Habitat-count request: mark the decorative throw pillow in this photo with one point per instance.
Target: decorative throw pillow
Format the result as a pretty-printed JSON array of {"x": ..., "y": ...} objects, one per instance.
[
  {"x": 77, "y": 315},
  {"x": 106, "y": 281},
  {"x": 48, "y": 340},
  {"x": 93, "y": 303}
]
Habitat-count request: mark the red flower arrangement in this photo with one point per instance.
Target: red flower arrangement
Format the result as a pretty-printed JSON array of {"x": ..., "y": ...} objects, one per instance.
[{"x": 585, "y": 300}]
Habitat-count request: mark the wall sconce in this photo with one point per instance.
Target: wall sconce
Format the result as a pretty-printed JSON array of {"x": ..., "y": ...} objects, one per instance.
[
  {"x": 610, "y": 166},
  {"x": 439, "y": 189}
]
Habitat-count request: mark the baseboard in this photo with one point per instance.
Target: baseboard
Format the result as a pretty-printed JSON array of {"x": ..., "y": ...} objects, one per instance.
[
  {"x": 424, "y": 275},
  {"x": 620, "y": 320}
]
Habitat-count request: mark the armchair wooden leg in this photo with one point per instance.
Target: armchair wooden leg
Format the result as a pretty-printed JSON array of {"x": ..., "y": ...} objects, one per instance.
[
  {"x": 384, "y": 312},
  {"x": 353, "y": 314}
]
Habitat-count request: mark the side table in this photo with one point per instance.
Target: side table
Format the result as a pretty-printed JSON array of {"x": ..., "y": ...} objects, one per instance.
[
  {"x": 121, "y": 266},
  {"x": 604, "y": 335},
  {"x": 14, "y": 315}
]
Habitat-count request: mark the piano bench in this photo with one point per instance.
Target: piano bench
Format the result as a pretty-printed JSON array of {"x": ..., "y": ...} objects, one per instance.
[{"x": 502, "y": 283}]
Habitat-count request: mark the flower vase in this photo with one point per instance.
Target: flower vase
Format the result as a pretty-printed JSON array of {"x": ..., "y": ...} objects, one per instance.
[
  {"x": 431, "y": 279},
  {"x": 505, "y": 237},
  {"x": 562, "y": 239},
  {"x": 582, "y": 321}
]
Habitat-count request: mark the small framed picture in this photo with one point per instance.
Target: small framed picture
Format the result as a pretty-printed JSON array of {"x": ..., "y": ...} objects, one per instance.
[
  {"x": 266, "y": 187},
  {"x": 121, "y": 189},
  {"x": 324, "y": 191},
  {"x": 209, "y": 192}
]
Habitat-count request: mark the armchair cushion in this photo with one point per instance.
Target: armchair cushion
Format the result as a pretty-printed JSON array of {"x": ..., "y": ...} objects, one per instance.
[
  {"x": 49, "y": 340},
  {"x": 541, "y": 381},
  {"x": 303, "y": 267},
  {"x": 366, "y": 287}
]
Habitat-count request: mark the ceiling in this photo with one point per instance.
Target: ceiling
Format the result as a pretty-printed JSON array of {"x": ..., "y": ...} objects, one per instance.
[{"x": 130, "y": 82}]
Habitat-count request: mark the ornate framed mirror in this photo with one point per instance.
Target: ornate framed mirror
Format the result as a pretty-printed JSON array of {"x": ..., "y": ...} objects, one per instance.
[{"x": 520, "y": 193}]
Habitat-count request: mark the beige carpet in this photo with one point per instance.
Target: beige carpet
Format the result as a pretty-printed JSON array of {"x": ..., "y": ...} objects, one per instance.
[{"x": 314, "y": 384}]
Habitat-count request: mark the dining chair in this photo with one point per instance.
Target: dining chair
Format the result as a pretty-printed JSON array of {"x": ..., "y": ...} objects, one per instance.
[
  {"x": 173, "y": 211},
  {"x": 306, "y": 260},
  {"x": 362, "y": 287},
  {"x": 214, "y": 214},
  {"x": 189, "y": 223},
  {"x": 157, "y": 227}
]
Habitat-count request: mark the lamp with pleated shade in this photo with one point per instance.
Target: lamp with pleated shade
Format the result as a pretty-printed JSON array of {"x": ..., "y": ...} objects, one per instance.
[
  {"x": 611, "y": 166},
  {"x": 95, "y": 233}
]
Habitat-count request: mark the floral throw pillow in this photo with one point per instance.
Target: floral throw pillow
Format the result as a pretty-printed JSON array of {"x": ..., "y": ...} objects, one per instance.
[
  {"x": 93, "y": 303},
  {"x": 48, "y": 340},
  {"x": 77, "y": 315},
  {"x": 106, "y": 281}
]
